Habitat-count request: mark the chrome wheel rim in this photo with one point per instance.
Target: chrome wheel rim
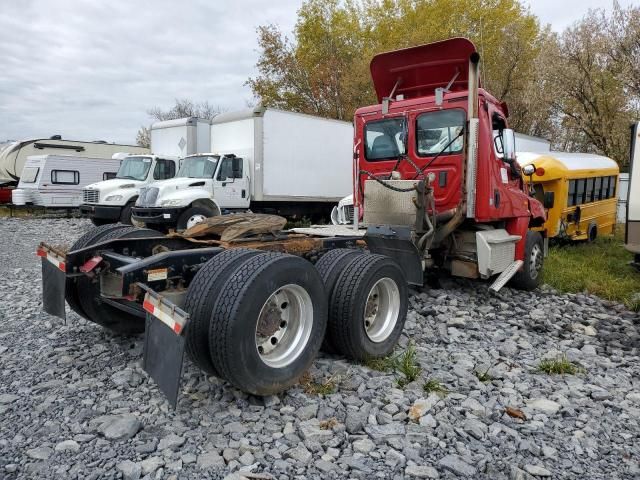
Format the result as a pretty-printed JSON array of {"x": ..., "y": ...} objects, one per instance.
[
  {"x": 381, "y": 310},
  {"x": 284, "y": 326},
  {"x": 535, "y": 261},
  {"x": 195, "y": 220}
]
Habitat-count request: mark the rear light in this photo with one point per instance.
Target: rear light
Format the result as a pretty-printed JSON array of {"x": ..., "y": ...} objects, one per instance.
[
  {"x": 539, "y": 171},
  {"x": 41, "y": 252}
]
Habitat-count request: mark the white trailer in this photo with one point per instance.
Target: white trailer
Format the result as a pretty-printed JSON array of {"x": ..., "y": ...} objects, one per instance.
[
  {"x": 14, "y": 156},
  {"x": 58, "y": 180},
  {"x": 266, "y": 160},
  {"x": 181, "y": 137}
]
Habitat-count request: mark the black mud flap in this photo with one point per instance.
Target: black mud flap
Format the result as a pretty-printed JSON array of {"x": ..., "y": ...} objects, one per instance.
[
  {"x": 163, "y": 357},
  {"x": 395, "y": 242},
  {"x": 53, "y": 289},
  {"x": 164, "y": 342}
]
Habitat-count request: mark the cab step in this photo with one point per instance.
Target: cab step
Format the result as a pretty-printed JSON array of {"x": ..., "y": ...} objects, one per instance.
[{"x": 505, "y": 276}]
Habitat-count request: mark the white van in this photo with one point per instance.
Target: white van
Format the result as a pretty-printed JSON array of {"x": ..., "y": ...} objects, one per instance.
[
  {"x": 58, "y": 180},
  {"x": 111, "y": 200}
]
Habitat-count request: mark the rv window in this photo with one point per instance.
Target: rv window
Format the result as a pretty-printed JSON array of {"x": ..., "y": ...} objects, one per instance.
[
  {"x": 29, "y": 174},
  {"x": 109, "y": 175},
  {"x": 571, "y": 201},
  {"x": 164, "y": 169},
  {"x": 65, "y": 177}
]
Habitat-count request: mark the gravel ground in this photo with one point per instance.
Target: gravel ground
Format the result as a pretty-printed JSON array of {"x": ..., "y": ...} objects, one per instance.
[{"x": 75, "y": 403}]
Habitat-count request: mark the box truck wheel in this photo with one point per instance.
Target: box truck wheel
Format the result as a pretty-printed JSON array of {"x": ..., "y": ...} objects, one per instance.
[
  {"x": 201, "y": 300},
  {"x": 368, "y": 307},
  {"x": 125, "y": 214},
  {"x": 193, "y": 216},
  {"x": 269, "y": 323},
  {"x": 330, "y": 267},
  {"x": 529, "y": 277},
  {"x": 101, "y": 313},
  {"x": 92, "y": 236}
]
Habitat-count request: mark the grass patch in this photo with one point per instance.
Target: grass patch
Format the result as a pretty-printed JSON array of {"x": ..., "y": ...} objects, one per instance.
[
  {"x": 434, "y": 386},
  {"x": 325, "y": 386},
  {"x": 484, "y": 377},
  {"x": 601, "y": 268},
  {"x": 404, "y": 364},
  {"x": 559, "y": 366},
  {"x": 298, "y": 223}
]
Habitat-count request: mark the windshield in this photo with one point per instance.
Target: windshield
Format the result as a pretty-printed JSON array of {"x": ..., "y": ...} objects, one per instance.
[
  {"x": 134, "y": 168},
  {"x": 440, "y": 132},
  {"x": 198, "y": 167},
  {"x": 384, "y": 139}
]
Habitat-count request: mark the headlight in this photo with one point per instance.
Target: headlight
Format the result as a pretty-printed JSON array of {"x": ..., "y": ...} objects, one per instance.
[
  {"x": 113, "y": 198},
  {"x": 171, "y": 203}
]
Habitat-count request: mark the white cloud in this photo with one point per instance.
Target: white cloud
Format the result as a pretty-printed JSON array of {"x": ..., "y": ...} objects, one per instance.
[{"x": 90, "y": 69}]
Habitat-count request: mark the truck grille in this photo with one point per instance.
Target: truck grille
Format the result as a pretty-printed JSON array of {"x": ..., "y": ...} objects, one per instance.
[
  {"x": 348, "y": 213},
  {"x": 148, "y": 197},
  {"x": 90, "y": 196}
]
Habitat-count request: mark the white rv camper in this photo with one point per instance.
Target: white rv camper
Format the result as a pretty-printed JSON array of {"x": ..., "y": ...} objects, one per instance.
[
  {"x": 58, "y": 180},
  {"x": 14, "y": 156}
]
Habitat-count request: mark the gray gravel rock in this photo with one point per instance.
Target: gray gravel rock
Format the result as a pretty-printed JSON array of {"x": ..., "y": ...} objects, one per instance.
[
  {"x": 457, "y": 465},
  {"x": 78, "y": 383}
]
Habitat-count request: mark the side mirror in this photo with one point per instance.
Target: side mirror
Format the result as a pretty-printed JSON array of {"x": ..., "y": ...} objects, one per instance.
[
  {"x": 509, "y": 145},
  {"x": 549, "y": 199},
  {"x": 529, "y": 169}
]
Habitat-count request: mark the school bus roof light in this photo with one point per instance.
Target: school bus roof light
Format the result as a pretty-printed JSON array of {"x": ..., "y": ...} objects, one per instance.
[{"x": 540, "y": 171}]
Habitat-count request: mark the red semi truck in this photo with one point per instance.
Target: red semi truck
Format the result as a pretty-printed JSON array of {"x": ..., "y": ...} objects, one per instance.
[{"x": 436, "y": 188}]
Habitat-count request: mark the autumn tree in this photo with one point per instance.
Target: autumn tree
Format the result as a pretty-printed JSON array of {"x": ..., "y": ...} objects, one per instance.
[
  {"x": 181, "y": 109},
  {"x": 324, "y": 68},
  {"x": 594, "y": 85}
]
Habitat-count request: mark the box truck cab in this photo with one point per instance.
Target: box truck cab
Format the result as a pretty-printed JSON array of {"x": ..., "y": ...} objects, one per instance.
[
  {"x": 207, "y": 185},
  {"x": 111, "y": 200}
]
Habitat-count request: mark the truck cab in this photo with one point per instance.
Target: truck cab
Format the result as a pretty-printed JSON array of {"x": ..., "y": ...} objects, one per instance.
[
  {"x": 207, "y": 184},
  {"x": 111, "y": 200}
]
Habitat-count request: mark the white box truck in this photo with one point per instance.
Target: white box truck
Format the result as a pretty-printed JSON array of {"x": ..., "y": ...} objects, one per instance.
[
  {"x": 267, "y": 160},
  {"x": 181, "y": 137},
  {"x": 110, "y": 201},
  {"x": 14, "y": 156},
  {"x": 58, "y": 180}
]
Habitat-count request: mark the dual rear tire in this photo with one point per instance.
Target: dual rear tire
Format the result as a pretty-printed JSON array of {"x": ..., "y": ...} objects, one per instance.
[{"x": 257, "y": 319}]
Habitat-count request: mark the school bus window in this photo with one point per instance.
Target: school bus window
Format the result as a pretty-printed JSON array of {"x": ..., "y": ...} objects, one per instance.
[
  {"x": 597, "y": 192},
  {"x": 589, "y": 190},
  {"x": 580, "y": 192},
  {"x": 605, "y": 187},
  {"x": 612, "y": 187},
  {"x": 571, "y": 201}
]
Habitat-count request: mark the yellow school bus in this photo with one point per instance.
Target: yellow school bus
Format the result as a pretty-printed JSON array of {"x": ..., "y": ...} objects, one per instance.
[{"x": 578, "y": 191}]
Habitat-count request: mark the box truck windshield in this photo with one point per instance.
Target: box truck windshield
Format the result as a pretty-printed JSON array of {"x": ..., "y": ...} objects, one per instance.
[
  {"x": 198, "y": 167},
  {"x": 134, "y": 168}
]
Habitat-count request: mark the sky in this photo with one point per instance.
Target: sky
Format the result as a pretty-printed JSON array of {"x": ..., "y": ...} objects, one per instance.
[{"x": 90, "y": 69}]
